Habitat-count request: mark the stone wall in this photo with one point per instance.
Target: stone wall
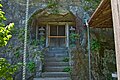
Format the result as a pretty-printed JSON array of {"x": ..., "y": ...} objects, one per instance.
[{"x": 13, "y": 52}]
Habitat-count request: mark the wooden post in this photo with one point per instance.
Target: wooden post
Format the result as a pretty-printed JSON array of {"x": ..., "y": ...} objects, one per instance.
[
  {"x": 67, "y": 34},
  {"x": 47, "y": 34},
  {"x": 115, "y": 5},
  {"x": 36, "y": 32}
]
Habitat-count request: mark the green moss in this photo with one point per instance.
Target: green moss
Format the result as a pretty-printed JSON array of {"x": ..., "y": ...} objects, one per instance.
[
  {"x": 31, "y": 66},
  {"x": 67, "y": 69},
  {"x": 66, "y": 59}
]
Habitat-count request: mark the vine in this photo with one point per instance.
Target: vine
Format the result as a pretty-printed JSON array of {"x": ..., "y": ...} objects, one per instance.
[
  {"x": 6, "y": 69},
  {"x": 103, "y": 60}
]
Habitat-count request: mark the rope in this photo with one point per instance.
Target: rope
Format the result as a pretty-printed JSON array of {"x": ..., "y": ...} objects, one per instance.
[{"x": 25, "y": 40}]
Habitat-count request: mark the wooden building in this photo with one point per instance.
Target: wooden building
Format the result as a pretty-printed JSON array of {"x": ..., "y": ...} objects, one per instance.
[
  {"x": 55, "y": 27},
  {"x": 107, "y": 15}
]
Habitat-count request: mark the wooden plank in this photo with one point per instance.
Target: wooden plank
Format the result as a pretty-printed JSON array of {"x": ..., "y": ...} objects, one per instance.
[
  {"x": 102, "y": 19},
  {"x": 116, "y": 23},
  {"x": 103, "y": 22},
  {"x": 56, "y": 23}
]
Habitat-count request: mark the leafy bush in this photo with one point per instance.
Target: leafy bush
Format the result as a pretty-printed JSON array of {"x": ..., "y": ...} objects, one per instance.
[
  {"x": 66, "y": 59},
  {"x": 6, "y": 69},
  {"x": 109, "y": 64},
  {"x": 67, "y": 69},
  {"x": 34, "y": 42},
  {"x": 31, "y": 66},
  {"x": 4, "y": 31},
  {"x": 74, "y": 37},
  {"x": 90, "y": 4},
  {"x": 95, "y": 45},
  {"x": 103, "y": 60},
  {"x": 42, "y": 40}
]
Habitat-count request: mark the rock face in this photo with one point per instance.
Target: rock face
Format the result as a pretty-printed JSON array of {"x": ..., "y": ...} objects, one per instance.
[{"x": 15, "y": 12}]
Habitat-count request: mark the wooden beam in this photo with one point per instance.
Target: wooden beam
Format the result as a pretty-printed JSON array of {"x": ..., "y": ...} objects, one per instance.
[
  {"x": 56, "y": 23},
  {"x": 115, "y": 5}
]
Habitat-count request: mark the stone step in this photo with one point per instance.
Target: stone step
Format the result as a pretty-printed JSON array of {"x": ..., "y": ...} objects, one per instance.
[
  {"x": 64, "y": 78},
  {"x": 57, "y": 52},
  {"x": 56, "y": 55},
  {"x": 55, "y": 64},
  {"x": 55, "y": 74},
  {"x": 57, "y": 49},
  {"x": 54, "y": 59},
  {"x": 55, "y": 69}
]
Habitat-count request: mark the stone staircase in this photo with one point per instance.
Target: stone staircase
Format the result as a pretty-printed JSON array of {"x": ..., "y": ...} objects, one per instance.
[{"x": 54, "y": 65}]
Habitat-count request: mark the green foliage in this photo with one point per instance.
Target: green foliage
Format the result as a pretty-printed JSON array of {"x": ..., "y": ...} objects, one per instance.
[
  {"x": 66, "y": 59},
  {"x": 54, "y": 6},
  {"x": 7, "y": 70},
  {"x": 5, "y": 34},
  {"x": 17, "y": 54},
  {"x": 4, "y": 31},
  {"x": 103, "y": 59},
  {"x": 67, "y": 69},
  {"x": 73, "y": 38},
  {"x": 95, "y": 45},
  {"x": 37, "y": 42},
  {"x": 34, "y": 42},
  {"x": 2, "y": 17},
  {"x": 80, "y": 66},
  {"x": 20, "y": 34},
  {"x": 90, "y": 4},
  {"x": 104, "y": 65},
  {"x": 42, "y": 40},
  {"x": 41, "y": 56},
  {"x": 51, "y": 3},
  {"x": 31, "y": 66},
  {"x": 109, "y": 64}
]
